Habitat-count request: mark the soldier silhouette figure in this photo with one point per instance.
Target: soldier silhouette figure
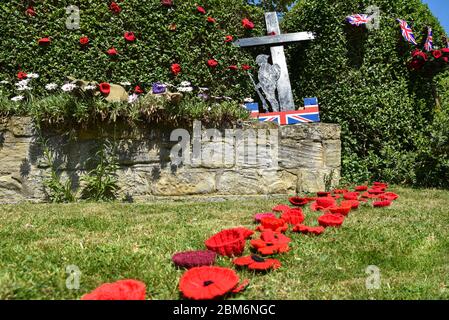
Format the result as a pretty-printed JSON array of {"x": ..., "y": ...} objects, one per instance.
[{"x": 268, "y": 77}]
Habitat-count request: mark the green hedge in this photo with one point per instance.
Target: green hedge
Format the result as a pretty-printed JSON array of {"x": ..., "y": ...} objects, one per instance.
[
  {"x": 143, "y": 62},
  {"x": 360, "y": 76}
]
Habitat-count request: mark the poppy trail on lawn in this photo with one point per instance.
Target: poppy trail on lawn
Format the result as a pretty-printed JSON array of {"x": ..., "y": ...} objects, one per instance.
[{"x": 308, "y": 230}]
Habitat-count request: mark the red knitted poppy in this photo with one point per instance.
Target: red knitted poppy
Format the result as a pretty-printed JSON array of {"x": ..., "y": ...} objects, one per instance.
[
  {"x": 343, "y": 210},
  {"x": 207, "y": 283},
  {"x": 259, "y": 216},
  {"x": 273, "y": 224},
  {"x": 120, "y": 290},
  {"x": 389, "y": 196},
  {"x": 271, "y": 243},
  {"x": 228, "y": 243},
  {"x": 191, "y": 259},
  {"x": 353, "y": 203},
  {"x": 382, "y": 204},
  {"x": 246, "y": 233},
  {"x": 298, "y": 201},
  {"x": 361, "y": 188},
  {"x": 351, "y": 195},
  {"x": 323, "y": 194},
  {"x": 331, "y": 220},
  {"x": 308, "y": 230},
  {"x": 376, "y": 191},
  {"x": 323, "y": 203},
  {"x": 293, "y": 216},
  {"x": 281, "y": 208},
  {"x": 341, "y": 191},
  {"x": 257, "y": 263},
  {"x": 380, "y": 185}
]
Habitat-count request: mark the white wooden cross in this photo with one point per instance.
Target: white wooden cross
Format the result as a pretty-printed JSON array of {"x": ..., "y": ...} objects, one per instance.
[{"x": 277, "y": 41}]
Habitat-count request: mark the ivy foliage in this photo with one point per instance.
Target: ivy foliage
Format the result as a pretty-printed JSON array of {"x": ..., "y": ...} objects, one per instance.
[
  {"x": 387, "y": 112},
  {"x": 165, "y": 36}
]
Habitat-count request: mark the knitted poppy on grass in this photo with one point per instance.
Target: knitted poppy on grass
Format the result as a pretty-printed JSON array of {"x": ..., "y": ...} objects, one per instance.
[
  {"x": 273, "y": 224},
  {"x": 389, "y": 196},
  {"x": 382, "y": 204},
  {"x": 323, "y": 194},
  {"x": 281, "y": 208},
  {"x": 361, "y": 188},
  {"x": 259, "y": 216},
  {"x": 227, "y": 243},
  {"x": 257, "y": 263},
  {"x": 245, "y": 232},
  {"x": 308, "y": 230},
  {"x": 271, "y": 243},
  {"x": 353, "y": 203},
  {"x": 368, "y": 195},
  {"x": 331, "y": 220},
  {"x": 380, "y": 185},
  {"x": 323, "y": 203},
  {"x": 341, "y": 191},
  {"x": 298, "y": 201},
  {"x": 376, "y": 191},
  {"x": 207, "y": 283},
  {"x": 343, "y": 210},
  {"x": 120, "y": 290},
  {"x": 191, "y": 259},
  {"x": 351, "y": 195},
  {"x": 293, "y": 216}
]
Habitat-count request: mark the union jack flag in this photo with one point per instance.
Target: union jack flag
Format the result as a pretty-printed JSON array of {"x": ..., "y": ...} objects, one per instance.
[
  {"x": 429, "y": 42},
  {"x": 407, "y": 32},
  {"x": 308, "y": 115},
  {"x": 358, "y": 19}
]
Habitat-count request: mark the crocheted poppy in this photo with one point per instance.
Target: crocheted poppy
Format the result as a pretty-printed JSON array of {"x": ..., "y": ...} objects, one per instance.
[
  {"x": 323, "y": 194},
  {"x": 259, "y": 216},
  {"x": 281, "y": 208},
  {"x": 380, "y": 185},
  {"x": 389, "y": 196},
  {"x": 245, "y": 232},
  {"x": 273, "y": 224},
  {"x": 293, "y": 216},
  {"x": 308, "y": 230},
  {"x": 310, "y": 199},
  {"x": 207, "y": 283},
  {"x": 351, "y": 195},
  {"x": 353, "y": 203},
  {"x": 361, "y": 188},
  {"x": 323, "y": 203},
  {"x": 298, "y": 201},
  {"x": 341, "y": 191},
  {"x": 382, "y": 204},
  {"x": 228, "y": 243},
  {"x": 191, "y": 259},
  {"x": 120, "y": 290},
  {"x": 367, "y": 195},
  {"x": 257, "y": 263},
  {"x": 331, "y": 220},
  {"x": 376, "y": 191},
  {"x": 343, "y": 210},
  {"x": 271, "y": 243}
]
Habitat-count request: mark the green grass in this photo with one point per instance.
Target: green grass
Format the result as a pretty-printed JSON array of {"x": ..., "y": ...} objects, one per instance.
[{"x": 409, "y": 243}]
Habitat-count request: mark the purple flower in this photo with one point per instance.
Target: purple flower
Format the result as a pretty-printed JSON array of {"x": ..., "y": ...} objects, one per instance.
[
  {"x": 203, "y": 96},
  {"x": 159, "y": 88}
]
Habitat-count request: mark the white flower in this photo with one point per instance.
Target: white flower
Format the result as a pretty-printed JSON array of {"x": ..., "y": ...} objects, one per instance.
[
  {"x": 18, "y": 98},
  {"x": 4, "y": 82},
  {"x": 23, "y": 88},
  {"x": 125, "y": 84},
  {"x": 68, "y": 87},
  {"x": 185, "y": 89},
  {"x": 133, "y": 98},
  {"x": 185, "y": 84},
  {"x": 51, "y": 86},
  {"x": 32, "y": 75},
  {"x": 23, "y": 83},
  {"x": 90, "y": 87},
  {"x": 203, "y": 89},
  {"x": 249, "y": 100}
]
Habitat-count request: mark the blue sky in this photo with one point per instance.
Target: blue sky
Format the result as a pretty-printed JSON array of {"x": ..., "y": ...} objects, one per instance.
[{"x": 440, "y": 8}]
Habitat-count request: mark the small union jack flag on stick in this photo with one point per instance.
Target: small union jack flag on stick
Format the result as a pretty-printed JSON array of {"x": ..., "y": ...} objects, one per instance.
[
  {"x": 429, "y": 41},
  {"x": 358, "y": 19},
  {"x": 407, "y": 32}
]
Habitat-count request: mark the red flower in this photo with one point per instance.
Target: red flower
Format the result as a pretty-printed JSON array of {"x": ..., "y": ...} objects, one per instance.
[
  {"x": 30, "y": 11},
  {"x": 247, "y": 24},
  {"x": 211, "y": 20},
  {"x": 257, "y": 263},
  {"x": 306, "y": 230},
  {"x": 228, "y": 243},
  {"x": 437, "y": 54},
  {"x": 382, "y": 204},
  {"x": 246, "y": 233},
  {"x": 129, "y": 36},
  {"x": 114, "y": 7},
  {"x": 331, "y": 220},
  {"x": 382, "y": 185},
  {"x": 120, "y": 290},
  {"x": 201, "y": 10},
  {"x": 246, "y": 67},
  {"x": 138, "y": 90},
  {"x": 351, "y": 196},
  {"x": 323, "y": 203},
  {"x": 416, "y": 64},
  {"x": 176, "y": 69},
  {"x": 84, "y": 41},
  {"x": 105, "y": 88},
  {"x": 281, "y": 208},
  {"x": 112, "y": 52},
  {"x": 419, "y": 55},
  {"x": 259, "y": 216},
  {"x": 445, "y": 51},
  {"x": 298, "y": 201},
  {"x": 341, "y": 191},
  {"x": 389, "y": 196},
  {"x": 212, "y": 63},
  {"x": 22, "y": 75},
  {"x": 44, "y": 41},
  {"x": 207, "y": 283},
  {"x": 367, "y": 195},
  {"x": 273, "y": 224},
  {"x": 229, "y": 38},
  {"x": 293, "y": 216},
  {"x": 233, "y": 68},
  {"x": 323, "y": 194},
  {"x": 361, "y": 188},
  {"x": 167, "y": 3},
  {"x": 271, "y": 243},
  {"x": 342, "y": 210},
  {"x": 375, "y": 191},
  {"x": 353, "y": 203}
]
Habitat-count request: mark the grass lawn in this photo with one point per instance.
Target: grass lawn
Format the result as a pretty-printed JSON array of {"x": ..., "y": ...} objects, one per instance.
[{"x": 408, "y": 242}]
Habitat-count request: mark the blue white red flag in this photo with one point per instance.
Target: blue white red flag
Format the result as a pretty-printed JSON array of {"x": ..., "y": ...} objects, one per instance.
[
  {"x": 407, "y": 32},
  {"x": 309, "y": 115},
  {"x": 358, "y": 19},
  {"x": 429, "y": 41}
]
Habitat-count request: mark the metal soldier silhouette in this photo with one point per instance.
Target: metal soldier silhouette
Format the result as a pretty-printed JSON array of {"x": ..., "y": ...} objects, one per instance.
[{"x": 269, "y": 75}]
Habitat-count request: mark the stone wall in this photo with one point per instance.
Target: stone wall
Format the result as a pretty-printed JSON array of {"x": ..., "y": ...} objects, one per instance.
[{"x": 294, "y": 159}]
